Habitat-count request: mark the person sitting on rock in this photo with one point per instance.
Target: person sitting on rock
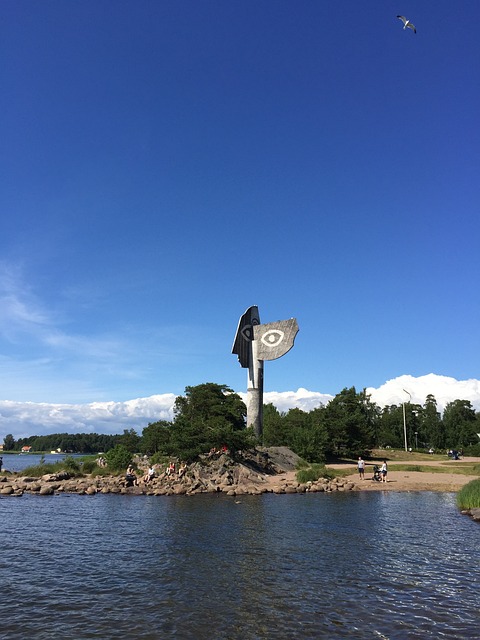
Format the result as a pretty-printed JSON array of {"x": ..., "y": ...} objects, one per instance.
[
  {"x": 149, "y": 475},
  {"x": 182, "y": 470},
  {"x": 131, "y": 477}
]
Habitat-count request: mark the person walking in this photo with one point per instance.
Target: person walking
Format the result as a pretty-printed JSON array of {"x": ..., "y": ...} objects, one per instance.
[{"x": 361, "y": 467}]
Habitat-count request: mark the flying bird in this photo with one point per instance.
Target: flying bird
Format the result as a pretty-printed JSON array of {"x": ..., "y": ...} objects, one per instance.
[{"x": 407, "y": 24}]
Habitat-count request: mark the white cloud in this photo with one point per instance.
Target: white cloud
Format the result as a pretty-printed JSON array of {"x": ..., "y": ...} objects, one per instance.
[
  {"x": 444, "y": 389},
  {"x": 301, "y": 399},
  {"x": 23, "y": 419},
  {"x": 29, "y": 418}
]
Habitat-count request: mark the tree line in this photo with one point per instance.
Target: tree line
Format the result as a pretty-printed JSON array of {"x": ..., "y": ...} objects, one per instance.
[
  {"x": 351, "y": 424},
  {"x": 212, "y": 416}
]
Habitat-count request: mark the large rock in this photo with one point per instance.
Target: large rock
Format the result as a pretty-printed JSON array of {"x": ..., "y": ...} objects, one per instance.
[
  {"x": 281, "y": 458},
  {"x": 7, "y": 491},
  {"x": 47, "y": 490},
  {"x": 475, "y": 513}
]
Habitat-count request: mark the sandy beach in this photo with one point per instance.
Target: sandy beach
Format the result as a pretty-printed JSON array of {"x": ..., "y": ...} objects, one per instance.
[
  {"x": 402, "y": 480},
  {"x": 414, "y": 480}
]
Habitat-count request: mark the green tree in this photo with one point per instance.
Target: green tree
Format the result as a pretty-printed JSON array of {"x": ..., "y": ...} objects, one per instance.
[
  {"x": 413, "y": 418},
  {"x": 460, "y": 424},
  {"x": 308, "y": 437},
  {"x": 130, "y": 440},
  {"x": 118, "y": 458},
  {"x": 390, "y": 432},
  {"x": 209, "y": 401},
  {"x": 208, "y": 415},
  {"x": 273, "y": 427},
  {"x": 156, "y": 437},
  {"x": 349, "y": 421},
  {"x": 432, "y": 428},
  {"x": 304, "y": 432},
  {"x": 9, "y": 442}
]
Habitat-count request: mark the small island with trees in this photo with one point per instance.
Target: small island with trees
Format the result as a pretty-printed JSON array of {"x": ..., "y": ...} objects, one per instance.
[{"x": 209, "y": 439}]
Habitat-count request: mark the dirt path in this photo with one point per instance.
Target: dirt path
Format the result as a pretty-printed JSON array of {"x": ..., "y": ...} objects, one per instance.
[
  {"x": 413, "y": 480},
  {"x": 397, "y": 480}
]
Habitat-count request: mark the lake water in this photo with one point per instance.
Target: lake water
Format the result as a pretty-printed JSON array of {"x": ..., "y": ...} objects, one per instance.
[
  {"x": 20, "y": 461},
  {"x": 343, "y": 565}
]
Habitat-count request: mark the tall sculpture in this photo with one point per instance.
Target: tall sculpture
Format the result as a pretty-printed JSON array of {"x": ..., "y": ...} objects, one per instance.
[{"x": 254, "y": 343}]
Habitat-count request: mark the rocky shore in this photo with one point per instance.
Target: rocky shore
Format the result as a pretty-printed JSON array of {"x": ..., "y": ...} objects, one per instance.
[
  {"x": 233, "y": 484},
  {"x": 270, "y": 470},
  {"x": 263, "y": 472}
]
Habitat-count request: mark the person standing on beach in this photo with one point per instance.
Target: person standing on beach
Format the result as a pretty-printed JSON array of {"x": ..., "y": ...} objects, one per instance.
[
  {"x": 384, "y": 471},
  {"x": 361, "y": 467}
]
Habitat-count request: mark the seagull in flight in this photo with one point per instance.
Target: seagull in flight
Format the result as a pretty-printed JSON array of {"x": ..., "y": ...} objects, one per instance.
[{"x": 407, "y": 24}]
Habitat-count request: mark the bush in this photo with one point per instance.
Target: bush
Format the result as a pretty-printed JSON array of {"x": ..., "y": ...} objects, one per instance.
[
  {"x": 469, "y": 495},
  {"x": 159, "y": 458},
  {"x": 35, "y": 471},
  {"x": 100, "y": 471},
  {"x": 89, "y": 466},
  {"x": 472, "y": 450},
  {"x": 302, "y": 464},
  {"x": 118, "y": 458},
  {"x": 70, "y": 464}
]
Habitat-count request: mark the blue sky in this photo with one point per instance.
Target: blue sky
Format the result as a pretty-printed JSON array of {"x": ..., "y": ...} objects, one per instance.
[{"x": 165, "y": 165}]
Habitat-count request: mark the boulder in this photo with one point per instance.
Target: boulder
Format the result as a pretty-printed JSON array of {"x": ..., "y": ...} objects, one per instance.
[
  {"x": 475, "y": 513},
  {"x": 7, "y": 491},
  {"x": 47, "y": 490},
  {"x": 281, "y": 458},
  {"x": 290, "y": 489}
]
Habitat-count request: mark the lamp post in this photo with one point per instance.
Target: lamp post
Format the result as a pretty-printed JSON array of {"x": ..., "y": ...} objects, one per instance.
[
  {"x": 405, "y": 420},
  {"x": 416, "y": 440}
]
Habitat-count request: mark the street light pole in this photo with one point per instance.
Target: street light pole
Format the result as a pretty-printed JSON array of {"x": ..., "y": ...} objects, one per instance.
[
  {"x": 416, "y": 440},
  {"x": 405, "y": 420}
]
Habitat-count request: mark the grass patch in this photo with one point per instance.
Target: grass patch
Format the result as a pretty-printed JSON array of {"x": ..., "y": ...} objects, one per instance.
[
  {"x": 67, "y": 464},
  {"x": 393, "y": 455},
  {"x": 469, "y": 495},
  {"x": 37, "y": 470},
  {"x": 464, "y": 470},
  {"x": 102, "y": 472},
  {"x": 303, "y": 464},
  {"x": 313, "y": 473},
  {"x": 89, "y": 466}
]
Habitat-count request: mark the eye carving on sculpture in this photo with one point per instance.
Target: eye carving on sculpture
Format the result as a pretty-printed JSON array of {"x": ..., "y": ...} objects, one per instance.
[
  {"x": 273, "y": 337},
  {"x": 247, "y": 332}
]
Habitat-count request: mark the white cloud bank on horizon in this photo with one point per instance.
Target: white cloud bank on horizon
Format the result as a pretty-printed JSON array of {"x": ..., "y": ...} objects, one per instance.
[{"x": 23, "y": 419}]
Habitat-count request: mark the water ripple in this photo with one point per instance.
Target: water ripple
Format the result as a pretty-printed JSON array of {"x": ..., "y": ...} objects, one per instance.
[{"x": 388, "y": 566}]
